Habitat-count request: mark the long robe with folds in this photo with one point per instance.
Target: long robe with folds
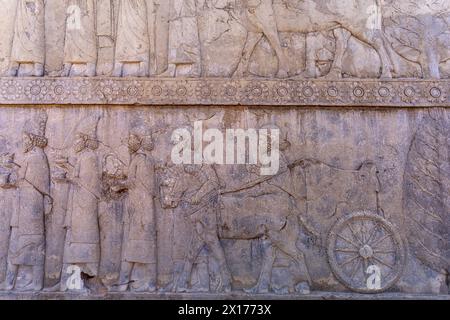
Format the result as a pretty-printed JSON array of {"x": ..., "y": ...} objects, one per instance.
[
  {"x": 83, "y": 235},
  {"x": 184, "y": 41},
  {"x": 133, "y": 40},
  {"x": 27, "y": 244},
  {"x": 81, "y": 37},
  {"x": 140, "y": 223},
  {"x": 29, "y": 32},
  {"x": 8, "y": 201}
]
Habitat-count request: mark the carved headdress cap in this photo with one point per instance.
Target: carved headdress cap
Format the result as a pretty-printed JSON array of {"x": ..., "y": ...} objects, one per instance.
[
  {"x": 140, "y": 128},
  {"x": 37, "y": 124},
  {"x": 88, "y": 127}
]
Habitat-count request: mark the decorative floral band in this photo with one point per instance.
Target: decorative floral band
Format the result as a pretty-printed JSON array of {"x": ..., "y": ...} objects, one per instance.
[{"x": 216, "y": 91}]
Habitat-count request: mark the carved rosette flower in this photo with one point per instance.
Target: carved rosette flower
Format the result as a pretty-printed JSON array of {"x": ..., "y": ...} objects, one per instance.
[
  {"x": 305, "y": 91},
  {"x": 409, "y": 93},
  {"x": 179, "y": 90},
  {"x": 256, "y": 91},
  {"x": 157, "y": 90},
  {"x": 132, "y": 91},
  {"x": 59, "y": 91},
  {"x": 384, "y": 92},
  {"x": 36, "y": 90},
  {"x": 204, "y": 90},
  {"x": 436, "y": 93},
  {"x": 230, "y": 91},
  {"x": 82, "y": 90},
  {"x": 282, "y": 92},
  {"x": 360, "y": 93},
  {"x": 110, "y": 90},
  {"x": 11, "y": 90},
  {"x": 332, "y": 92}
]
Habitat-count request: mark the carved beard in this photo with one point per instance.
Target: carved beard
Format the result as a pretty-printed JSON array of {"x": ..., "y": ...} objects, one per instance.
[
  {"x": 79, "y": 146},
  {"x": 27, "y": 143}
]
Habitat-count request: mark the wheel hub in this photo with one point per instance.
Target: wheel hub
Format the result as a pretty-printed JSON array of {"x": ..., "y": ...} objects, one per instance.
[{"x": 366, "y": 252}]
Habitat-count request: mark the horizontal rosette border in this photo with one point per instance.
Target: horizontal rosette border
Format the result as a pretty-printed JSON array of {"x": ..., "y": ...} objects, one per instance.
[{"x": 216, "y": 91}]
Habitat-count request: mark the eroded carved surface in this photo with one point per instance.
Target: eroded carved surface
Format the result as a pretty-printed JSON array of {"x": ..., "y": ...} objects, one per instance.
[
  {"x": 109, "y": 206},
  {"x": 92, "y": 200},
  {"x": 225, "y": 38}
]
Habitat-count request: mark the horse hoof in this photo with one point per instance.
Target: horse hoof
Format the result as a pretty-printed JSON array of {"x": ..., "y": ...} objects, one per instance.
[
  {"x": 303, "y": 288},
  {"x": 257, "y": 290}
]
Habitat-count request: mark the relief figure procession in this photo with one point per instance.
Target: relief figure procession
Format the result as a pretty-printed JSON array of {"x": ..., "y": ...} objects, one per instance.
[
  {"x": 219, "y": 147},
  {"x": 86, "y": 219},
  {"x": 296, "y": 39}
]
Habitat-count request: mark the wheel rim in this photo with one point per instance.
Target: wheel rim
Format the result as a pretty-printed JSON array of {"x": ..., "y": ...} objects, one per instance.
[{"x": 366, "y": 252}]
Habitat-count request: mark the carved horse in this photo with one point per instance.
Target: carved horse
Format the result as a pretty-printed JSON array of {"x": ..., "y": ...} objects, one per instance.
[
  {"x": 278, "y": 228},
  {"x": 362, "y": 18}
]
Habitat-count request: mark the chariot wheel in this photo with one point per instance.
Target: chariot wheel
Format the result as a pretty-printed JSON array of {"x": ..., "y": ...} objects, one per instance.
[{"x": 366, "y": 252}]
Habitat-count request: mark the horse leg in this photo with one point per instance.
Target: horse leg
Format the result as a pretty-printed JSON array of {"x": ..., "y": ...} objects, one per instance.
[
  {"x": 183, "y": 281},
  {"x": 287, "y": 244},
  {"x": 250, "y": 44},
  {"x": 265, "y": 16},
  {"x": 342, "y": 37},
  {"x": 264, "y": 280},
  {"x": 379, "y": 45}
]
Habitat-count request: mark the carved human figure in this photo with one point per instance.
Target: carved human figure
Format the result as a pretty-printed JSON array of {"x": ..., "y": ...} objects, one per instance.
[
  {"x": 27, "y": 242},
  {"x": 8, "y": 179},
  {"x": 139, "y": 244},
  {"x": 203, "y": 198},
  {"x": 82, "y": 245},
  {"x": 80, "y": 47},
  {"x": 133, "y": 40},
  {"x": 184, "y": 42},
  {"x": 28, "y": 46}
]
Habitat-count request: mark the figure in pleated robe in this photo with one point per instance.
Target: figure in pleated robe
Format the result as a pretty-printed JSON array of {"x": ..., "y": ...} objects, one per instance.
[
  {"x": 133, "y": 40},
  {"x": 28, "y": 46},
  {"x": 8, "y": 199},
  {"x": 139, "y": 245},
  {"x": 184, "y": 42},
  {"x": 80, "y": 47},
  {"x": 27, "y": 242},
  {"x": 82, "y": 246}
]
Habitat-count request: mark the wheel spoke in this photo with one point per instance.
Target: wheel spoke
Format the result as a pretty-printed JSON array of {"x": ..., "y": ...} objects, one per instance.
[
  {"x": 384, "y": 263},
  {"x": 384, "y": 251},
  {"x": 346, "y": 250},
  {"x": 348, "y": 261},
  {"x": 354, "y": 234},
  {"x": 355, "y": 269},
  {"x": 362, "y": 232},
  {"x": 380, "y": 240},
  {"x": 347, "y": 240},
  {"x": 372, "y": 233}
]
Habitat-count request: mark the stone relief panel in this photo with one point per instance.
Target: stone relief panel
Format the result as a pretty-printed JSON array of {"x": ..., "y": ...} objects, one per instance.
[
  {"x": 92, "y": 202},
  {"x": 284, "y": 39}
]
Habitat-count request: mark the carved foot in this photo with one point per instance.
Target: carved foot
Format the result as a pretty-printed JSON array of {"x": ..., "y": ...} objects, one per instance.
[
  {"x": 12, "y": 72},
  {"x": 38, "y": 70},
  {"x": 282, "y": 74},
  {"x": 303, "y": 288},
  {"x": 386, "y": 75},
  {"x": 117, "y": 72},
  {"x": 258, "y": 289},
  {"x": 169, "y": 73},
  {"x": 119, "y": 288},
  {"x": 4, "y": 286},
  {"x": 55, "y": 288}
]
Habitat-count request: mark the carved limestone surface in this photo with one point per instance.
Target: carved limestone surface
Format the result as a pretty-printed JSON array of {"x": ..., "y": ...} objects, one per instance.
[
  {"x": 288, "y": 39},
  {"x": 94, "y": 203},
  {"x": 224, "y": 148}
]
